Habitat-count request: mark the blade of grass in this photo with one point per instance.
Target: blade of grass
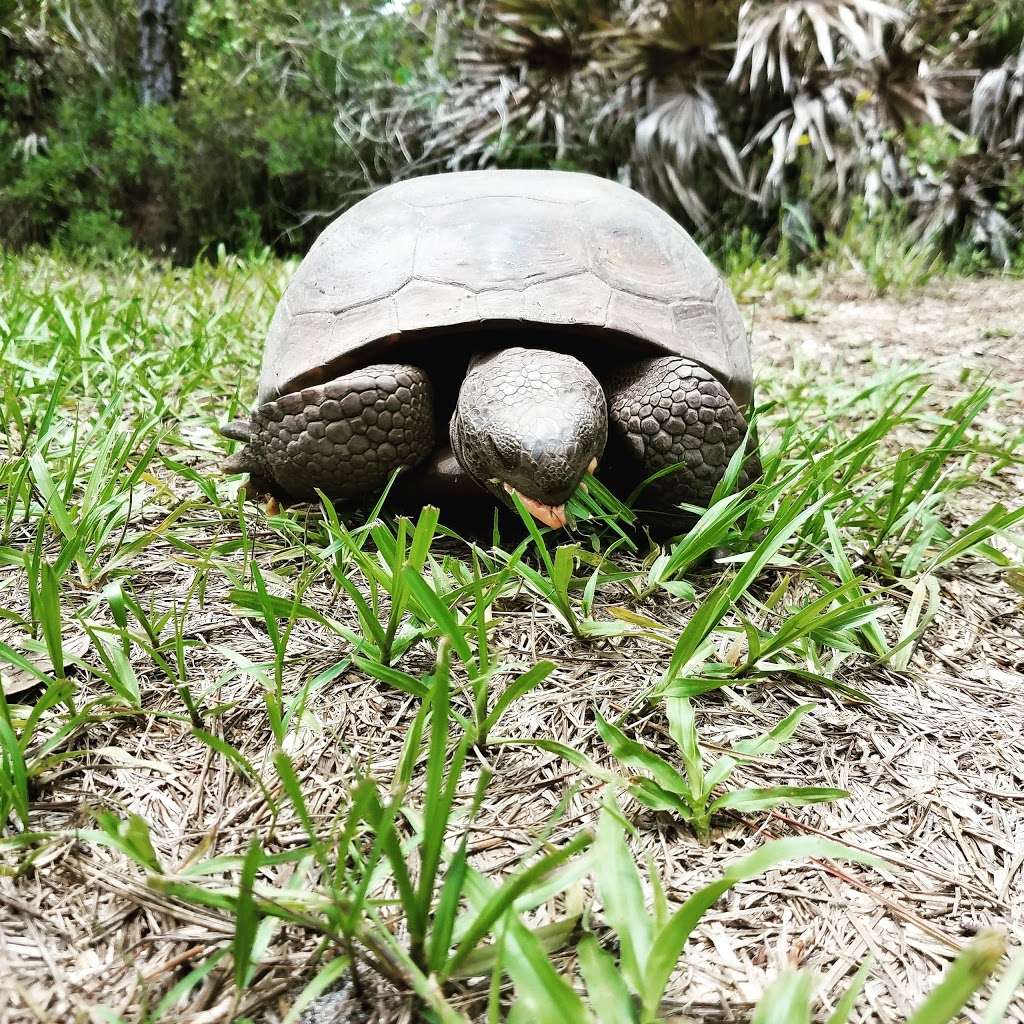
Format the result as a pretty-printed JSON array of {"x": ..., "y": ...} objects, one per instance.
[
  {"x": 668, "y": 944},
  {"x": 966, "y": 975}
]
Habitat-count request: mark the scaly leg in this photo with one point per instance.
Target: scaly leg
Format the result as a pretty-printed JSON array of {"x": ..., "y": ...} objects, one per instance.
[
  {"x": 668, "y": 411},
  {"x": 344, "y": 437}
]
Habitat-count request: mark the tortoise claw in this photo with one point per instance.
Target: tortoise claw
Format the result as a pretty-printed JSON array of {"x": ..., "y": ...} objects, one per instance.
[
  {"x": 237, "y": 430},
  {"x": 241, "y": 462},
  {"x": 244, "y": 460}
]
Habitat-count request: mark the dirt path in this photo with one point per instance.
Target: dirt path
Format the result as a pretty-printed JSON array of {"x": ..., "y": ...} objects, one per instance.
[{"x": 946, "y": 326}]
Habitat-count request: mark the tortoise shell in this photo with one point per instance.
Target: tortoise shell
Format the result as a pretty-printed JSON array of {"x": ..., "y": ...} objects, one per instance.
[{"x": 437, "y": 256}]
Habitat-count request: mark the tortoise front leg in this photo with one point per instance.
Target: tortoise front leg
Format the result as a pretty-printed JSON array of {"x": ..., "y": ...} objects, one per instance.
[
  {"x": 669, "y": 411},
  {"x": 345, "y": 437}
]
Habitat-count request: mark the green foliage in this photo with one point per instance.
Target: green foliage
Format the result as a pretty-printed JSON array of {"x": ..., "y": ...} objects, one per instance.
[
  {"x": 691, "y": 794},
  {"x": 235, "y": 170},
  {"x": 738, "y": 114},
  {"x": 795, "y": 128},
  {"x": 789, "y": 999},
  {"x": 250, "y": 155}
]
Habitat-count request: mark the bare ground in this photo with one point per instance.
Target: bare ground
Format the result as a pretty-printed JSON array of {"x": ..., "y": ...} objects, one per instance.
[{"x": 935, "y": 769}]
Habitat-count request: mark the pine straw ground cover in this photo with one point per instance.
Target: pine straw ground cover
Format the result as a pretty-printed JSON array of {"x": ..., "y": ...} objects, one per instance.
[{"x": 227, "y": 732}]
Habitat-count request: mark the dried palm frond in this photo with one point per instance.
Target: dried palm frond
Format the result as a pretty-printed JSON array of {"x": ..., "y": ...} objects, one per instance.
[
  {"x": 897, "y": 89},
  {"x": 842, "y": 126},
  {"x": 764, "y": 100},
  {"x": 679, "y": 138},
  {"x": 808, "y": 122},
  {"x": 527, "y": 76},
  {"x": 788, "y": 43},
  {"x": 997, "y": 107},
  {"x": 665, "y": 39},
  {"x": 957, "y": 205},
  {"x": 912, "y": 82},
  {"x": 828, "y": 145},
  {"x": 670, "y": 62}
]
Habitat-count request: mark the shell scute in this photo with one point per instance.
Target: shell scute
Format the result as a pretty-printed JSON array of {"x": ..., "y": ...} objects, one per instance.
[
  {"x": 558, "y": 188},
  {"x": 357, "y": 260},
  {"x": 635, "y": 248},
  {"x": 431, "y": 304},
  {"x": 577, "y": 299},
  {"x": 502, "y": 304},
  {"x": 640, "y": 316},
  {"x": 487, "y": 243}
]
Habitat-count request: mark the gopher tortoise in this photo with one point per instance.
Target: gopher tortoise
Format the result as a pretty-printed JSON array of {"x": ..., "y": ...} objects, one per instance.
[{"x": 529, "y": 318}]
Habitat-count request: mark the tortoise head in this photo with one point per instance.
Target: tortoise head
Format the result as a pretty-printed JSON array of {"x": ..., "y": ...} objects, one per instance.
[{"x": 532, "y": 422}]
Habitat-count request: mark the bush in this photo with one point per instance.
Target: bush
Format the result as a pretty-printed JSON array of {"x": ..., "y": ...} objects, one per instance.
[
  {"x": 250, "y": 155},
  {"x": 761, "y": 113}
]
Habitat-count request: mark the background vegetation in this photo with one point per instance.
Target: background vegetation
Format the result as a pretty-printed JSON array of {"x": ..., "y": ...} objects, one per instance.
[{"x": 809, "y": 124}]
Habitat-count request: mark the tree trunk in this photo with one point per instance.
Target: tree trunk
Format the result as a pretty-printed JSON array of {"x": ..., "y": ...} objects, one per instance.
[
  {"x": 155, "y": 214},
  {"x": 158, "y": 51}
]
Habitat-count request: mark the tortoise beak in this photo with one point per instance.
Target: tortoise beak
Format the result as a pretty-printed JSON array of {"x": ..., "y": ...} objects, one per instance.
[{"x": 550, "y": 515}]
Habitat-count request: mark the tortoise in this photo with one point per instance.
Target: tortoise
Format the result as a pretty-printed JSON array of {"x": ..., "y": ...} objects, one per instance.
[{"x": 496, "y": 329}]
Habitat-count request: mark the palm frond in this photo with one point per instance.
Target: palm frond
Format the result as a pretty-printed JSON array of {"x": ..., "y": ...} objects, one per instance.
[
  {"x": 527, "y": 77},
  {"x": 682, "y": 135},
  {"x": 786, "y": 44},
  {"x": 997, "y": 107},
  {"x": 957, "y": 205},
  {"x": 759, "y": 101}
]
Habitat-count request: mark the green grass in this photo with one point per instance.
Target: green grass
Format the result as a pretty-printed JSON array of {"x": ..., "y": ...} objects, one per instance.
[
  {"x": 691, "y": 794},
  {"x": 116, "y": 532}
]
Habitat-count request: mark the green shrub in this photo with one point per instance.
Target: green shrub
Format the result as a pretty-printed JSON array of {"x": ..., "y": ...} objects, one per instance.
[
  {"x": 97, "y": 230},
  {"x": 250, "y": 155}
]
